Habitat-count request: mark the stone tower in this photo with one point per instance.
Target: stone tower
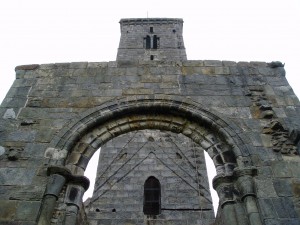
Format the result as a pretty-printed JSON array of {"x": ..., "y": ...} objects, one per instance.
[
  {"x": 126, "y": 162},
  {"x": 151, "y": 39},
  {"x": 153, "y": 113}
]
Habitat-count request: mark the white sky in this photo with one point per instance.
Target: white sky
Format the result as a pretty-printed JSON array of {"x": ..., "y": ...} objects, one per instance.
[{"x": 44, "y": 31}]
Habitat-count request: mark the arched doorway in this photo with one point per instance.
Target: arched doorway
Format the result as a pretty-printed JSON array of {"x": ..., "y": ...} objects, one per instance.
[{"x": 219, "y": 137}]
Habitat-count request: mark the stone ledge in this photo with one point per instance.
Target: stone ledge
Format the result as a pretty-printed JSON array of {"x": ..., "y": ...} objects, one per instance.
[
  {"x": 265, "y": 68},
  {"x": 27, "y": 67},
  {"x": 131, "y": 21}
]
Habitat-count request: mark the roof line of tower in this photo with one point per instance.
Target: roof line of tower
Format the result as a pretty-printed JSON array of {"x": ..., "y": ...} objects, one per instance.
[{"x": 151, "y": 20}]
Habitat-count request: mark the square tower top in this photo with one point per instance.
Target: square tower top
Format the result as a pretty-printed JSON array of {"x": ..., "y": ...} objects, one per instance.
[{"x": 158, "y": 39}]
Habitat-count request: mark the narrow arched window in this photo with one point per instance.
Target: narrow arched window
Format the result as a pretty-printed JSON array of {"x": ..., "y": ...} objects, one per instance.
[
  {"x": 152, "y": 204},
  {"x": 155, "y": 42},
  {"x": 148, "y": 42}
]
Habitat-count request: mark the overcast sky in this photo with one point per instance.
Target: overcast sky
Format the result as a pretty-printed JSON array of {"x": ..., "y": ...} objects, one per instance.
[{"x": 44, "y": 31}]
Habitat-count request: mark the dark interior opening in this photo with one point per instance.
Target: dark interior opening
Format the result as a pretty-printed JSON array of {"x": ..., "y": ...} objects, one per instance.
[
  {"x": 155, "y": 42},
  {"x": 148, "y": 42},
  {"x": 152, "y": 204}
]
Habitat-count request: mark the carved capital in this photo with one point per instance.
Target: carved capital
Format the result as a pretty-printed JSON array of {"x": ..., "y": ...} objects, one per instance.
[
  {"x": 58, "y": 170},
  {"x": 79, "y": 180},
  {"x": 220, "y": 180},
  {"x": 66, "y": 173},
  {"x": 245, "y": 183},
  {"x": 224, "y": 186}
]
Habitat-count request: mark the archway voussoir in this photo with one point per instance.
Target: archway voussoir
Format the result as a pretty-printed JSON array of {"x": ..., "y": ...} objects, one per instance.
[
  {"x": 97, "y": 143},
  {"x": 73, "y": 158},
  {"x": 161, "y": 112},
  {"x": 81, "y": 147}
]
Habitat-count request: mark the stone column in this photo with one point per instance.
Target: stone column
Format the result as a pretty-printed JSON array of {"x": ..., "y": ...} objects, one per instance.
[
  {"x": 76, "y": 188},
  {"x": 224, "y": 186},
  {"x": 54, "y": 186},
  {"x": 246, "y": 188}
]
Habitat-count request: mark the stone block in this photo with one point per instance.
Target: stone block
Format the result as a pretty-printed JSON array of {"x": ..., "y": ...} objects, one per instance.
[
  {"x": 2, "y": 150},
  {"x": 284, "y": 208},
  {"x": 193, "y": 63},
  {"x": 27, "y": 211},
  {"x": 240, "y": 112},
  {"x": 16, "y": 176},
  {"x": 222, "y": 70},
  {"x": 28, "y": 193},
  {"x": 283, "y": 187},
  {"x": 78, "y": 65},
  {"x": 289, "y": 221},
  {"x": 229, "y": 63},
  {"x": 280, "y": 169},
  {"x": 272, "y": 222},
  {"x": 212, "y": 63},
  {"x": 265, "y": 188},
  {"x": 267, "y": 208},
  {"x": 7, "y": 210},
  {"x": 45, "y": 135},
  {"x": 208, "y": 70},
  {"x": 138, "y": 91},
  {"x": 266, "y": 140}
]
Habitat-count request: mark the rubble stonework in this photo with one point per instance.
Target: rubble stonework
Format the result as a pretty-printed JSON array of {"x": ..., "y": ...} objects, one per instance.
[{"x": 152, "y": 116}]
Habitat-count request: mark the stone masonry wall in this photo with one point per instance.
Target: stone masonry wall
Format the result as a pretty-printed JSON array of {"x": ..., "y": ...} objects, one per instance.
[
  {"x": 128, "y": 160},
  {"x": 254, "y": 96}
]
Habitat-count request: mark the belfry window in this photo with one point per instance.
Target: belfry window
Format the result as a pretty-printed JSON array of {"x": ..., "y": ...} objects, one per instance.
[
  {"x": 155, "y": 42},
  {"x": 152, "y": 203},
  {"x": 148, "y": 42},
  {"x": 151, "y": 42}
]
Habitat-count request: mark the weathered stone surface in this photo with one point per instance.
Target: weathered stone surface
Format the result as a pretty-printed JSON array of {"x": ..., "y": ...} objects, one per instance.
[
  {"x": 7, "y": 210},
  {"x": 16, "y": 176},
  {"x": 265, "y": 188},
  {"x": 280, "y": 169},
  {"x": 282, "y": 187},
  {"x": 2, "y": 150},
  {"x": 241, "y": 113},
  {"x": 27, "y": 211},
  {"x": 9, "y": 114}
]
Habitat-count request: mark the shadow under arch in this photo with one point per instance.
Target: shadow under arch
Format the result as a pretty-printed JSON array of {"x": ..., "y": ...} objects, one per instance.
[{"x": 220, "y": 137}]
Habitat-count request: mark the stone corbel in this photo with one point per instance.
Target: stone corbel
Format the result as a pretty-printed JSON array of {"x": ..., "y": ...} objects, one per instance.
[{"x": 245, "y": 185}]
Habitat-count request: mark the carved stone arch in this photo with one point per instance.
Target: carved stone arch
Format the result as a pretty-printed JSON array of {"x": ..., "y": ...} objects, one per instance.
[
  {"x": 220, "y": 137},
  {"x": 79, "y": 139}
]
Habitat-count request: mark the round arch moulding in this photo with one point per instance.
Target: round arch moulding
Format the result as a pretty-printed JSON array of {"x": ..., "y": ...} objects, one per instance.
[{"x": 219, "y": 136}]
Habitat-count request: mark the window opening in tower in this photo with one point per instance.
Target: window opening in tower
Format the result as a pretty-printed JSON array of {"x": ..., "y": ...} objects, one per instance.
[{"x": 152, "y": 202}]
